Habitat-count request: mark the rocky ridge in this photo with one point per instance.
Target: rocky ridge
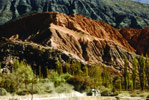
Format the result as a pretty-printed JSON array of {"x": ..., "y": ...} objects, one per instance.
[
  {"x": 87, "y": 40},
  {"x": 118, "y": 13}
]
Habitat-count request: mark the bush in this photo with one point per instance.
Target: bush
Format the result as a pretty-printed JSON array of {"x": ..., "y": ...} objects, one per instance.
[
  {"x": 105, "y": 91},
  {"x": 2, "y": 92},
  {"x": 81, "y": 83},
  {"x": 20, "y": 77},
  {"x": 11, "y": 99},
  {"x": 58, "y": 79},
  {"x": 115, "y": 93},
  {"x": 142, "y": 95},
  {"x": 22, "y": 92},
  {"x": 77, "y": 82},
  {"x": 41, "y": 87},
  {"x": 134, "y": 95},
  {"x": 64, "y": 88}
]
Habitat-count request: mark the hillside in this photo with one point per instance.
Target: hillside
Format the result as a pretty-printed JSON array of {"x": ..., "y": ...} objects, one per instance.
[
  {"x": 118, "y": 13},
  {"x": 52, "y": 52},
  {"x": 86, "y": 40}
]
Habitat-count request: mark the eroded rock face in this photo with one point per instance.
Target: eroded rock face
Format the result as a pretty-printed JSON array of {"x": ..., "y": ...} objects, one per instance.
[
  {"x": 118, "y": 13},
  {"x": 34, "y": 54},
  {"x": 138, "y": 38},
  {"x": 89, "y": 40}
]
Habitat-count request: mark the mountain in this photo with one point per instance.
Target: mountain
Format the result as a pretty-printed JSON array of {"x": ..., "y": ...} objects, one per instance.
[
  {"x": 44, "y": 38},
  {"x": 142, "y": 1},
  {"x": 118, "y": 13}
]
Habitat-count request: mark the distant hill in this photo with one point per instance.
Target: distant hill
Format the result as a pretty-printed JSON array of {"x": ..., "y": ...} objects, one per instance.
[{"x": 118, "y": 13}]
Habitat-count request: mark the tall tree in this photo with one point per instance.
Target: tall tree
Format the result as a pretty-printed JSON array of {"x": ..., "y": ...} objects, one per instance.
[
  {"x": 59, "y": 68},
  {"x": 141, "y": 69},
  {"x": 105, "y": 77},
  {"x": 147, "y": 69},
  {"x": 95, "y": 73},
  {"x": 125, "y": 74},
  {"x": 134, "y": 71},
  {"x": 85, "y": 71}
]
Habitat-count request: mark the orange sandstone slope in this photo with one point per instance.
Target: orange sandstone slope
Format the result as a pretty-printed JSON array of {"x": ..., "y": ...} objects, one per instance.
[{"x": 90, "y": 40}]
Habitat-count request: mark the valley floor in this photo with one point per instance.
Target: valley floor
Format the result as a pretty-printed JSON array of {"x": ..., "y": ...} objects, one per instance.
[{"x": 68, "y": 97}]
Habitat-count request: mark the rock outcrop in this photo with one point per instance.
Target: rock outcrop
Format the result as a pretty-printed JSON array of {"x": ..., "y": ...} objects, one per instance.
[
  {"x": 88, "y": 40},
  {"x": 138, "y": 38},
  {"x": 118, "y": 13}
]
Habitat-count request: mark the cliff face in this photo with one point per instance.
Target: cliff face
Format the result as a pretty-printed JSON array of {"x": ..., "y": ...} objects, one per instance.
[
  {"x": 118, "y": 13},
  {"x": 88, "y": 40}
]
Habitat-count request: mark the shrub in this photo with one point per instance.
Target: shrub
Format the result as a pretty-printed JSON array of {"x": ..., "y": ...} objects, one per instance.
[
  {"x": 77, "y": 82},
  {"x": 81, "y": 83},
  {"x": 134, "y": 95},
  {"x": 58, "y": 79},
  {"x": 22, "y": 92},
  {"x": 88, "y": 84},
  {"x": 20, "y": 77},
  {"x": 2, "y": 92},
  {"x": 64, "y": 88},
  {"x": 11, "y": 99},
  {"x": 115, "y": 93},
  {"x": 142, "y": 95},
  {"x": 105, "y": 91},
  {"x": 41, "y": 87}
]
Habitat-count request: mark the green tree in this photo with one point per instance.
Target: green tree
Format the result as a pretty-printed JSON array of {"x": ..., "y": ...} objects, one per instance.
[
  {"x": 40, "y": 72},
  {"x": 117, "y": 83},
  {"x": 141, "y": 69},
  {"x": 95, "y": 73},
  {"x": 85, "y": 71},
  {"x": 21, "y": 76},
  {"x": 59, "y": 67},
  {"x": 67, "y": 66},
  {"x": 22, "y": 73},
  {"x": 130, "y": 81},
  {"x": 125, "y": 74},
  {"x": 147, "y": 69},
  {"x": 0, "y": 67},
  {"x": 79, "y": 70},
  {"x": 134, "y": 71},
  {"x": 106, "y": 81}
]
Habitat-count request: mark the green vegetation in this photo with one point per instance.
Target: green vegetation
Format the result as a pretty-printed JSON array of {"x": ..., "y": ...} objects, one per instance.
[
  {"x": 147, "y": 70},
  {"x": 73, "y": 75},
  {"x": 141, "y": 69},
  {"x": 138, "y": 72},
  {"x": 134, "y": 72},
  {"x": 20, "y": 77},
  {"x": 2, "y": 92},
  {"x": 126, "y": 76}
]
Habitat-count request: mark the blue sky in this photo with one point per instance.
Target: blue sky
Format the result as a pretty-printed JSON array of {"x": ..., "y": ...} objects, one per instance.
[{"x": 143, "y": 1}]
